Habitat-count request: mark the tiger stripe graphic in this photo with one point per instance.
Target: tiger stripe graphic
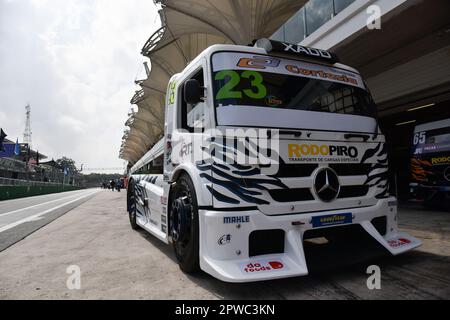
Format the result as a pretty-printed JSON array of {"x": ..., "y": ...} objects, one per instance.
[
  {"x": 243, "y": 181},
  {"x": 244, "y": 184},
  {"x": 379, "y": 174}
]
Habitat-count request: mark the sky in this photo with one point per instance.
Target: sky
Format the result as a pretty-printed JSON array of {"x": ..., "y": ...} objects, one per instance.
[{"x": 75, "y": 63}]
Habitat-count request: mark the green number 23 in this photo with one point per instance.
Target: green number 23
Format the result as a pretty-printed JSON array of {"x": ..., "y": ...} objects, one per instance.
[{"x": 226, "y": 92}]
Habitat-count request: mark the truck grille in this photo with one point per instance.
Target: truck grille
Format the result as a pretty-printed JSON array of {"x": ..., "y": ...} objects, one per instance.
[
  {"x": 307, "y": 170},
  {"x": 291, "y": 195},
  {"x": 295, "y": 170},
  {"x": 304, "y": 194},
  {"x": 353, "y": 191},
  {"x": 356, "y": 169}
]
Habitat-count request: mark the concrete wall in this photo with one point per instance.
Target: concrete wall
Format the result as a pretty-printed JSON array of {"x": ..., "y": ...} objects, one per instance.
[{"x": 14, "y": 192}]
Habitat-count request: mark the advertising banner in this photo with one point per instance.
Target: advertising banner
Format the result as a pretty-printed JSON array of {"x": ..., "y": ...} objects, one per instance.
[{"x": 8, "y": 150}]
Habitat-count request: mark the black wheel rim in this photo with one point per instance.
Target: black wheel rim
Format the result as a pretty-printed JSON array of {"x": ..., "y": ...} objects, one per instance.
[
  {"x": 133, "y": 205},
  {"x": 181, "y": 218}
]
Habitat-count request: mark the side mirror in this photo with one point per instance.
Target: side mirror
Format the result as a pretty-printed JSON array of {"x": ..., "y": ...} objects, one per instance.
[{"x": 193, "y": 92}]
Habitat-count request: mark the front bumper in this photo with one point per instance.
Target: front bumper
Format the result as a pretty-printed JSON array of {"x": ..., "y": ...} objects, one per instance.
[
  {"x": 424, "y": 191},
  {"x": 224, "y": 240}
]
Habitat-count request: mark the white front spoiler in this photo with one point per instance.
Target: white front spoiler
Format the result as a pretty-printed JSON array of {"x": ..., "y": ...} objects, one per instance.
[
  {"x": 396, "y": 243},
  {"x": 231, "y": 262}
]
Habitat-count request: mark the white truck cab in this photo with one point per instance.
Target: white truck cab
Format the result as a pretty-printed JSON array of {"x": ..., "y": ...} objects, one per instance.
[{"x": 264, "y": 147}]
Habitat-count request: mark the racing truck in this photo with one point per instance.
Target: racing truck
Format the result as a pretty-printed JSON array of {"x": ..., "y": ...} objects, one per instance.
[
  {"x": 430, "y": 163},
  {"x": 265, "y": 147}
]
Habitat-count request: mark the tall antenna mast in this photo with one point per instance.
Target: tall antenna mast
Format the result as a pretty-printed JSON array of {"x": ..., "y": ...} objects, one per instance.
[{"x": 27, "y": 132}]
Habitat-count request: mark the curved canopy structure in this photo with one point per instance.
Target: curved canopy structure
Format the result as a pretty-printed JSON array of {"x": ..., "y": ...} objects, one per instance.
[{"x": 189, "y": 27}]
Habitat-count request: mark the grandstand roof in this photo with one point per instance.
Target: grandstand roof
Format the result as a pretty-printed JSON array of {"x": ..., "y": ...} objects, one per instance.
[{"x": 189, "y": 27}]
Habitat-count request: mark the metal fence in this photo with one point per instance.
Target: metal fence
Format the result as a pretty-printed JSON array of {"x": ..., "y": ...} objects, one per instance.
[
  {"x": 18, "y": 182},
  {"x": 12, "y": 165},
  {"x": 18, "y": 170}
]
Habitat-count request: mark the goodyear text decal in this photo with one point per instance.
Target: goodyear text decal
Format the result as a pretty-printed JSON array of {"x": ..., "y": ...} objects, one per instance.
[{"x": 333, "y": 219}]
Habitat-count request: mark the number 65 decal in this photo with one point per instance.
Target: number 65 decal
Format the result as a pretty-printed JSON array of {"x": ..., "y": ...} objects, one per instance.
[{"x": 419, "y": 138}]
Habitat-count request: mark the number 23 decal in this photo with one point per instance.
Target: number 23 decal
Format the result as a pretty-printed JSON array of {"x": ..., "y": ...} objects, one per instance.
[{"x": 257, "y": 91}]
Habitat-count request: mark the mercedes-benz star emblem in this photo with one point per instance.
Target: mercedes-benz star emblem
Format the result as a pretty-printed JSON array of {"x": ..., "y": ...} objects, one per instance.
[
  {"x": 447, "y": 174},
  {"x": 326, "y": 184}
]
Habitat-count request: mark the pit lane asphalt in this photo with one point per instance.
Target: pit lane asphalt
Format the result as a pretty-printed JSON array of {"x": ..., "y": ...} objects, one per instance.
[
  {"x": 119, "y": 263},
  {"x": 21, "y": 217}
]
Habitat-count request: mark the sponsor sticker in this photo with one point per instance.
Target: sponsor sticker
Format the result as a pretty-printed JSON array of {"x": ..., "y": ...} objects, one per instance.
[
  {"x": 258, "y": 62},
  {"x": 332, "y": 219},
  {"x": 238, "y": 219},
  {"x": 242, "y": 61},
  {"x": 289, "y": 47},
  {"x": 263, "y": 266},
  {"x": 392, "y": 203},
  {"x": 440, "y": 160},
  {"x": 316, "y": 152},
  {"x": 273, "y": 101},
  {"x": 396, "y": 243},
  {"x": 172, "y": 92},
  {"x": 225, "y": 239}
]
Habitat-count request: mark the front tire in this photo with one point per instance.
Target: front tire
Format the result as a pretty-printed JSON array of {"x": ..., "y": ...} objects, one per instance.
[
  {"x": 184, "y": 225},
  {"x": 132, "y": 206}
]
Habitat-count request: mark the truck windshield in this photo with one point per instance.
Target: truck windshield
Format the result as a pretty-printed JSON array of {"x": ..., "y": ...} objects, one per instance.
[{"x": 263, "y": 81}]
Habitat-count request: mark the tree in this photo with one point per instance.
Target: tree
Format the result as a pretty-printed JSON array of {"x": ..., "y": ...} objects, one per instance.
[
  {"x": 69, "y": 164},
  {"x": 95, "y": 179}
]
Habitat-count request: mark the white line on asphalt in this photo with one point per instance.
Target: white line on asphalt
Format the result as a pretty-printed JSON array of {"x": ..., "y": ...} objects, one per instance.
[
  {"x": 6, "y": 202},
  {"x": 30, "y": 218},
  {"x": 36, "y": 205}
]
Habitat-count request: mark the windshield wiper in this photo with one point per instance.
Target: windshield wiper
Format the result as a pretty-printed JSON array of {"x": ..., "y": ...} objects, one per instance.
[
  {"x": 365, "y": 137},
  {"x": 296, "y": 134}
]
